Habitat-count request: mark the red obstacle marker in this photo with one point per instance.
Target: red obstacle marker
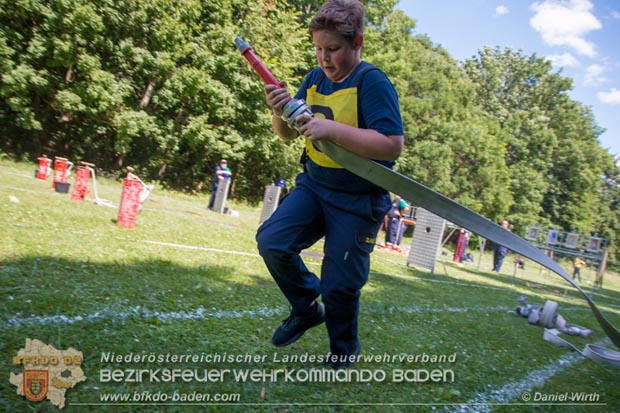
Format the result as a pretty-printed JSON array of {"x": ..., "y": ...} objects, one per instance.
[
  {"x": 62, "y": 167},
  {"x": 130, "y": 203},
  {"x": 44, "y": 168},
  {"x": 81, "y": 181}
]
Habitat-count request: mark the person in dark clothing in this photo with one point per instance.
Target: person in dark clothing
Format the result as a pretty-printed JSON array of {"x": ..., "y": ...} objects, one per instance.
[
  {"x": 500, "y": 252},
  {"x": 397, "y": 210},
  {"x": 222, "y": 171}
]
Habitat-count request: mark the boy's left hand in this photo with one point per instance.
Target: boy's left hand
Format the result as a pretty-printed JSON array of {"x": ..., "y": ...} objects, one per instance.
[{"x": 314, "y": 128}]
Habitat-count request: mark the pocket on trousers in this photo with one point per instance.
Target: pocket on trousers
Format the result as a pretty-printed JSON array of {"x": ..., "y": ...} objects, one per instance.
[{"x": 366, "y": 242}]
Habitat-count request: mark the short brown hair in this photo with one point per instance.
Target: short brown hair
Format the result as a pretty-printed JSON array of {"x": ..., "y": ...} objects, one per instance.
[{"x": 345, "y": 17}]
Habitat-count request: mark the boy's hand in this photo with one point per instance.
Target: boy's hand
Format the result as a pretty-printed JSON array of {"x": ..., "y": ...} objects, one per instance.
[
  {"x": 277, "y": 97},
  {"x": 314, "y": 128}
]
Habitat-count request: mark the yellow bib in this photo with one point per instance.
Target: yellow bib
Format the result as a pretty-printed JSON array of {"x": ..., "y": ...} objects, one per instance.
[{"x": 340, "y": 106}]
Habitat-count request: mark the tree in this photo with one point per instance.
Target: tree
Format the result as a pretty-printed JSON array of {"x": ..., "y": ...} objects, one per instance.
[
  {"x": 449, "y": 141},
  {"x": 608, "y": 225},
  {"x": 154, "y": 84},
  {"x": 159, "y": 85},
  {"x": 552, "y": 149}
]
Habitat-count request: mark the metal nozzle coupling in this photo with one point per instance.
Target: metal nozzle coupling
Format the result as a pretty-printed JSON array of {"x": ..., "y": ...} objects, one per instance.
[{"x": 293, "y": 109}]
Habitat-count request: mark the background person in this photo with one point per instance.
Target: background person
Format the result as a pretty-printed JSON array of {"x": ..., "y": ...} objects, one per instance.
[
  {"x": 392, "y": 229},
  {"x": 403, "y": 226},
  {"x": 222, "y": 171},
  {"x": 577, "y": 268},
  {"x": 500, "y": 252}
]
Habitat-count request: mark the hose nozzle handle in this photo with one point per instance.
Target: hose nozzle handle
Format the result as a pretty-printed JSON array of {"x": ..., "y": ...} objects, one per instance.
[
  {"x": 294, "y": 107},
  {"x": 256, "y": 63}
]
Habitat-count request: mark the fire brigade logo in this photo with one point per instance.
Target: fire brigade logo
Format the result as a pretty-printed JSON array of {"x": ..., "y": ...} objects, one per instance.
[
  {"x": 48, "y": 372},
  {"x": 35, "y": 384}
]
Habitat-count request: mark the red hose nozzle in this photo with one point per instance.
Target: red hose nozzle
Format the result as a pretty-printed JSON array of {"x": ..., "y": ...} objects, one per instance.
[
  {"x": 294, "y": 107},
  {"x": 256, "y": 63}
]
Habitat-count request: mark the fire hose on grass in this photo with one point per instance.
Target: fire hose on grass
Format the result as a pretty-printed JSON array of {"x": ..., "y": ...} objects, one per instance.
[
  {"x": 439, "y": 205},
  {"x": 145, "y": 190},
  {"x": 98, "y": 201}
]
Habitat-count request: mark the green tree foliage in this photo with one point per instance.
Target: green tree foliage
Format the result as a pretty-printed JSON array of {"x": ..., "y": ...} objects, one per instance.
[
  {"x": 156, "y": 84},
  {"x": 450, "y": 143},
  {"x": 510, "y": 88},
  {"x": 159, "y": 85},
  {"x": 557, "y": 167},
  {"x": 608, "y": 225}
]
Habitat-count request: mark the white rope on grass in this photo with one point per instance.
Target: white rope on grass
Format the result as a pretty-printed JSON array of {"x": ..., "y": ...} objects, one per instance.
[{"x": 99, "y": 201}]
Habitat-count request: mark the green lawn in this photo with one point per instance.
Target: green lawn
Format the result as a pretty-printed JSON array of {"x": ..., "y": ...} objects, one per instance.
[{"x": 189, "y": 282}]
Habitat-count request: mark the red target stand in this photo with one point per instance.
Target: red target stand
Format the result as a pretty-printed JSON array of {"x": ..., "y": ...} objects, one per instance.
[
  {"x": 460, "y": 246},
  {"x": 43, "y": 171},
  {"x": 134, "y": 194},
  {"x": 62, "y": 169},
  {"x": 130, "y": 203},
  {"x": 81, "y": 181}
]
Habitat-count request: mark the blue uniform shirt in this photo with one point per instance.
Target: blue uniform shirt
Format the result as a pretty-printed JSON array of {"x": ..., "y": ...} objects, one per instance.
[{"x": 366, "y": 99}]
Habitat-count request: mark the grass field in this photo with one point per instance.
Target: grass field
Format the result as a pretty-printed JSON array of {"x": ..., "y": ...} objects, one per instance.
[{"x": 189, "y": 282}]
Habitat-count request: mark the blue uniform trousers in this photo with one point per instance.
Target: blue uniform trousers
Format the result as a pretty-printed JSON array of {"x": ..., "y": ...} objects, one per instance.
[
  {"x": 213, "y": 192},
  {"x": 349, "y": 222},
  {"x": 391, "y": 231},
  {"x": 498, "y": 257}
]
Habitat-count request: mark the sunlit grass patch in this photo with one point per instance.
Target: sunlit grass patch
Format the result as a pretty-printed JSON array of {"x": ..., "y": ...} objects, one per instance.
[{"x": 187, "y": 281}]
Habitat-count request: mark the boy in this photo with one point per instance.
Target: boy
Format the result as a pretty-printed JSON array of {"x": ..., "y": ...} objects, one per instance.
[{"x": 355, "y": 106}]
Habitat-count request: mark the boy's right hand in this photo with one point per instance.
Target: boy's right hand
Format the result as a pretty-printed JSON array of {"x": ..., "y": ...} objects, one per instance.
[{"x": 277, "y": 97}]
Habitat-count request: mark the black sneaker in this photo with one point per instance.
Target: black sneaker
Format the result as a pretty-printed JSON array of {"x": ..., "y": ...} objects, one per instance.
[{"x": 294, "y": 326}]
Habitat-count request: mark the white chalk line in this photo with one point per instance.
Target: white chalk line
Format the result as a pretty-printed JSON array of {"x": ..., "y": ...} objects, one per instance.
[
  {"x": 31, "y": 191},
  {"x": 254, "y": 255},
  {"x": 494, "y": 396},
  {"x": 247, "y": 254},
  {"x": 311, "y": 263},
  {"x": 200, "y": 313},
  {"x": 431, "y": 280},
  {"x": 502, "y": 395},
  {"x": 192, "y": 247},
  {"x": 416, "y": 309},
  {"x": 312, "y": 258},
  {"x": 140, "y": 312}
]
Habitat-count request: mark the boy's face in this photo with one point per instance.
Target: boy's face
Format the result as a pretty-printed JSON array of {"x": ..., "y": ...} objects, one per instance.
[{"x": 335, "y": 55}]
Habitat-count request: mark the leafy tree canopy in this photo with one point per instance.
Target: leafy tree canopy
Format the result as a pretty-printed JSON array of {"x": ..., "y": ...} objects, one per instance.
[{"x": 159, "y": 85}]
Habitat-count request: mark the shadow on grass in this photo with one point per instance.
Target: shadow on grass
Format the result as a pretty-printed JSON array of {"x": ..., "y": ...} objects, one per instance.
[
  {"x": 142, "y": 307},
  {"x": 159, "y": 307},
  {"x": 41, "y": 286}
]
